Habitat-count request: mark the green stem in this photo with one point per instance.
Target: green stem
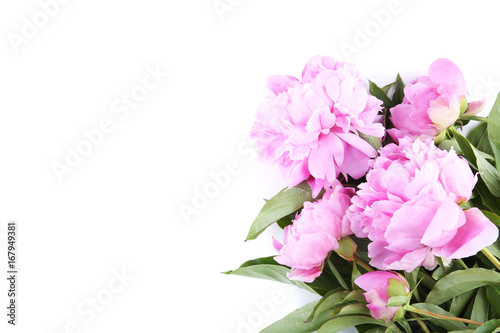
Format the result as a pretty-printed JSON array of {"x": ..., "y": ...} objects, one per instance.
[
  {"x": 476, "y": 118},
  {"x": 491, "y": 257},
  {"x": 421, "y": 323},
  {"x": 362, "y": 264},
  {"x": 438, "y": 316},
  {"x": 461, "y": 262}
]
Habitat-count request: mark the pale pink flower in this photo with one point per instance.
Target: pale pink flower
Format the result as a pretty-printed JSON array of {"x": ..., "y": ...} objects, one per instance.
[
  {"x": 378, "y": 292},
  {"x": 314, "y": 233},
  {"x": 431, "y": 103},
  {"x": 309, "y": 127},
  {"x": 410, "y": 208}
]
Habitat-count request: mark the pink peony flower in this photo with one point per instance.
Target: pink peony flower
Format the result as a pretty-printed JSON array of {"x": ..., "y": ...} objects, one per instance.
[
  {"x": 379, "y": 287},
  {"x": 431, "y": 103},
  {"x": 314, "y": 233},
  {"x": 310, "y": 127},
  {"x": 410, "y": 208}
]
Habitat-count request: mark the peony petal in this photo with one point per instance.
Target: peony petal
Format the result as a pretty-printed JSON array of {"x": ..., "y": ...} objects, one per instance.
[
  {"x": 372, "y": 280},
  {"x": 410, "y": 261},
  {"x": 477, "y": 233},
  {"x": 280, "y": 83},
  {"x": 321, "y": 163},
  {"x": 449, "y": 78},
  {"x": 443, "y": 227},
  {"x": 297, "y": 173}
]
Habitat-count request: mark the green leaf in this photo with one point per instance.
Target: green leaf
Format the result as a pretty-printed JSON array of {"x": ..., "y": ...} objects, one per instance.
[
  {"x": 494, "y": 130},
  {"x": 491, "y": 326},
  {"x": 493, "y": 297},
  {"x": 355, "y": 274},
  {"x": 488, "y": 199},
  {"x": 341, "y": 323},
  {"x": 399, "y": 93},
  {"x": 286, "y": 220},
  {"x": 441, "y": 271},
  {"x": 372, "y": 140},
  {"x": 462, "y": 331},
  {"x": 397, "y": 300},
  {"x": 464, "y": 105},
  {"x": 404, "y": 324},
  {"x": 426, "y": 280},
  {"x": 495, "y": 148},
  {"x": 465, "y": 147},
  {"x": 481, "y": 308},
  {"x": 354, "y": 309},
  {"x": 450, "y": 143},
  {"x": 347, "y": 248},
  {"x": 379, "y": 330},
  {"x": 493, "y": 248},
  {"x": 329, "y": 303},
  {"x": 459, "y": 302},
  {"x": 333, "y": 304},
  {"x": 412, "y": 278},
  {"x": 459, "y": 282},
  {"x": 388, "y": 87},
  {"x": 380, "y": 94},
  {"x": 478, "y": 137},
  {"x": 294, "y": 322},
  {"x": 269, "y": 272},
  {"x": 267, "y": 268},
  {"x": 449, "y": 325},
  {"x": 337, "y": 275},
  {"x": 488, "y": 173},
  {"x": 396, "y": 288},
  {"x": 492, "y": 217},
  {"x": 282, "y": 204}
]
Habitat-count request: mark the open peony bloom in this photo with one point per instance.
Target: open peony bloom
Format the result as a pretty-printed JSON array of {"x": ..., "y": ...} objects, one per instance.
[
  {"x": 379, "y": 287},
  {"x": 432, "y": 103},
  {"x": 410, "y": 208},
  {"x": 309, "y": 127},
  {"x": 314, "y": 233}
]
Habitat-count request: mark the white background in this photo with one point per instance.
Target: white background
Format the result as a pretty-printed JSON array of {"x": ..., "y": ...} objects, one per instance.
[{"x": 119, "y": 209}]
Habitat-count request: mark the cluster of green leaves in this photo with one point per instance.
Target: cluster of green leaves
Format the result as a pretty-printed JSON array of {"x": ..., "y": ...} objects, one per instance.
[{"x": 466, "y": 289}]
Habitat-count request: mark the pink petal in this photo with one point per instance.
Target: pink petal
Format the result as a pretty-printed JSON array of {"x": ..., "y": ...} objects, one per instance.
[
  {"x": 443, "y": 227},
  {"x": 449, "y": 78},
  {"x": 280, "y": 83},
  {"x": 477, "y": 233},
  {"x": 410, "y": 261},
  {"x": 372, "y": 280}
]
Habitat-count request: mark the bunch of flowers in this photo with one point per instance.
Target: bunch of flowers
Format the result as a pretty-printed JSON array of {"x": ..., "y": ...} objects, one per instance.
[{"x": 390, "y": 212}]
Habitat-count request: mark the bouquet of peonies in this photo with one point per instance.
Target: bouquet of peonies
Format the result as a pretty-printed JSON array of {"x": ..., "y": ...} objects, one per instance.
[{"x": 391, "y": 213}]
